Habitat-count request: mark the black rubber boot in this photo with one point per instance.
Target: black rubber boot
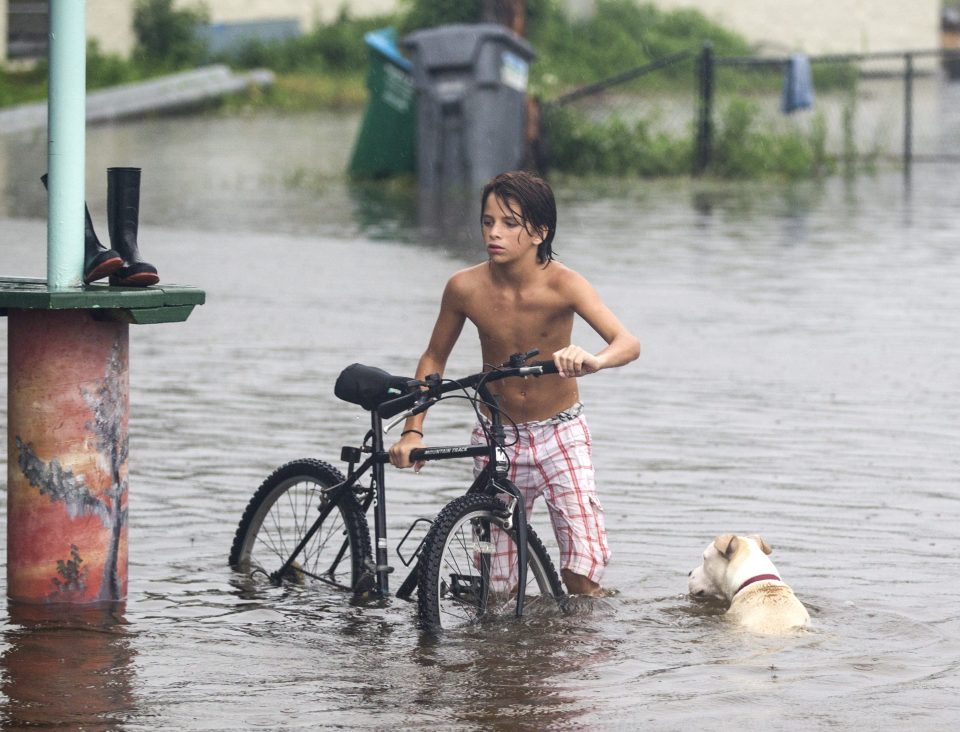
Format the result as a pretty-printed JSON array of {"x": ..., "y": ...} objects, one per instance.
[
  {"x": 123, "y": 215},
  {"x": 98, "y": 261}
]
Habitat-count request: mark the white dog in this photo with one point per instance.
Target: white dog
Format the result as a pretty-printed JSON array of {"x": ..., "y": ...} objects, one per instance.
[{"x": 737, "y": 569}]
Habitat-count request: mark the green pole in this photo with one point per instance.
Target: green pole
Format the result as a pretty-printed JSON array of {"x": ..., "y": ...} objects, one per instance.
[{"x": 66, "y": 145}]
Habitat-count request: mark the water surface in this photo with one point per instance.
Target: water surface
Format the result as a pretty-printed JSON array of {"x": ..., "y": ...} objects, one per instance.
[{"x": 800, "y": 378}]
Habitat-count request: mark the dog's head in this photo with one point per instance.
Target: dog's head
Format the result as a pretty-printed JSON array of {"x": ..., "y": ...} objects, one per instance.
[{"x": 722, "y": 562}]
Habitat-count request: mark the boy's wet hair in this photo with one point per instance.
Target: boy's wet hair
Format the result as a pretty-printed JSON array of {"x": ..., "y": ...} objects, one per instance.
[{"x": 534, "y": 198}]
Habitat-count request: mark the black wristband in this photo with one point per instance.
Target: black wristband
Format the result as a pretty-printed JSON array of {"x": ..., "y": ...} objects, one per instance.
[{"x": 407, "y": 432}]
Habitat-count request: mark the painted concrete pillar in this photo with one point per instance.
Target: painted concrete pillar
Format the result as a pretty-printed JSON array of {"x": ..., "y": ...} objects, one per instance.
[{"x": 68, "y": 406}]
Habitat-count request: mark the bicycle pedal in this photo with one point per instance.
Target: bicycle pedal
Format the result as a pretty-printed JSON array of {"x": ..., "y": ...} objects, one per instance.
[
  {"x": 465, "y": 588},
  {"x": 365, "y": 584}
]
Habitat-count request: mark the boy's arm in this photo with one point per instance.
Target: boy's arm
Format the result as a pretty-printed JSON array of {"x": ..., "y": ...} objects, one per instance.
[
  {"x": 622, "y": 346},
  {"x": 446, "y": 331}
]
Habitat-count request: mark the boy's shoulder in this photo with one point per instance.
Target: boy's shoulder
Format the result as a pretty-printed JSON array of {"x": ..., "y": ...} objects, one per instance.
[
  {"x": 561, "y": 272},
  {"x": 554, "y": 273},
  {"x": 468, "y": 277},
  {"x": 471, "y": 272},
  {"x": 563, "y": 279}
]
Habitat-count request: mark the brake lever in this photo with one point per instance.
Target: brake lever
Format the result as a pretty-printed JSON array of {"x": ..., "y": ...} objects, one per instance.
[
  {"x": 518, "y": 359},
  {"x": 416, "y": 409}
]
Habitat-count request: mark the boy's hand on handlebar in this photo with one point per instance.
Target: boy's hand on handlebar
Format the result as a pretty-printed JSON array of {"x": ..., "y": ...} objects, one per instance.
[
  {"x": 574, "y": 361},
  {"x": 400, "y": 451}
]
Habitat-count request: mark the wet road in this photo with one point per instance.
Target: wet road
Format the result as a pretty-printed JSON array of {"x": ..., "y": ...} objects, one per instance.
[{"x": 800, "y": 378}]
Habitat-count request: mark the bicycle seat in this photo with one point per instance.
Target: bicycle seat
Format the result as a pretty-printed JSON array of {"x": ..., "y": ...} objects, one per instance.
[{"x": 369, "y": 386}]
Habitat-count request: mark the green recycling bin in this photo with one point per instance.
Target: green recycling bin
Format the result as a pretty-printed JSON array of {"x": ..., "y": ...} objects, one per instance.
[{"x": 385, "y": 143}]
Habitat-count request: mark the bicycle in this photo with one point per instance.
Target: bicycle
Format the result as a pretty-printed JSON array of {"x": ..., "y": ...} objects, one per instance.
[{"x": 479, "y": 550}]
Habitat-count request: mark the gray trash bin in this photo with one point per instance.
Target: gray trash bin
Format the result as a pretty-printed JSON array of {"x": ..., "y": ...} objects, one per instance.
[{"x": 471, "y": 83}]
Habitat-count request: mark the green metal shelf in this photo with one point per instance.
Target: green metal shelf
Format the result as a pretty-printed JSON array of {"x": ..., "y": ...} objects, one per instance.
[{"x": 144, "y": 305}]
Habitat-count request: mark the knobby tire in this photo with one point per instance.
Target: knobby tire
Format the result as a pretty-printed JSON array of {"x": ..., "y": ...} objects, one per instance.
[
  {"x": 280, "y": 514},
  {"x": 462, "y": 579}
]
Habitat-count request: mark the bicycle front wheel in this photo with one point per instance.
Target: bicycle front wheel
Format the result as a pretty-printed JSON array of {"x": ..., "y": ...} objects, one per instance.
[
  {"x": 469, "y": 566},
  {"x": 281, "y": 514}
]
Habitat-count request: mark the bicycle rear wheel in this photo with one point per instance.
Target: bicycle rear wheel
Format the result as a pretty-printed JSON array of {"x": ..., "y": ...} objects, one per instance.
[
  {"x": 282, "y": 512},
  {"x": 469, "y": 566}
]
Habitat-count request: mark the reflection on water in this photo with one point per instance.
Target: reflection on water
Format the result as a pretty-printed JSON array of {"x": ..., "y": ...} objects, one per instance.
[
  {"x": 73, "y": 670},
  {"x": 799, "y": 379}
]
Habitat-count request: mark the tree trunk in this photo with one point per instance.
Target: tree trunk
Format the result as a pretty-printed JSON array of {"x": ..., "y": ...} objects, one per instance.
[{"x": 510, "y": 13}]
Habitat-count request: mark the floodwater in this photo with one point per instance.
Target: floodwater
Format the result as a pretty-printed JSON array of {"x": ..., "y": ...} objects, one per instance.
[{"x": 800, "y": 378}]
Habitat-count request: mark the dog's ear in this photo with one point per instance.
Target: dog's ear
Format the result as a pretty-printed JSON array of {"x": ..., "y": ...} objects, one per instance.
[
  {"x": 763, "y": 544},
  {"x": 726, "y": 544}
]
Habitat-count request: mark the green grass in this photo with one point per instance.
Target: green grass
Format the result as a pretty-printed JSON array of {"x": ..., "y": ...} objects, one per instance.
[
  {"x": 22, "y": 87},
  {"x": 303, "y": 92}
]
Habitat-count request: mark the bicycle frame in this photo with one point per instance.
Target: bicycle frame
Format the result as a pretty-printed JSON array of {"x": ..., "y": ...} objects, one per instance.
[{"x": 493, "y": 478}]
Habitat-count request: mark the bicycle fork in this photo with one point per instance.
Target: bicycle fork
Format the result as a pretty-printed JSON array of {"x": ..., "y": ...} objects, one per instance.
[{"x": 520, "y": 524}]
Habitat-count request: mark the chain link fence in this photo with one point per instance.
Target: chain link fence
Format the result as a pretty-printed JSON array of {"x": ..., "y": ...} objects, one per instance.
[{"x": 697, "y": 112}]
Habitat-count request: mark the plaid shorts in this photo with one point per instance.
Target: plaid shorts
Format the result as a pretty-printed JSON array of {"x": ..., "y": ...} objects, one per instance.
[{"x": 553, "y": 458}]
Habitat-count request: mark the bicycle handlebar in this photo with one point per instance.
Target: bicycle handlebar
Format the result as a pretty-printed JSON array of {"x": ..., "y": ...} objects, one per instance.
[
  {"x": 422, "y": 399},
  {"x": 425, "y": 454}
]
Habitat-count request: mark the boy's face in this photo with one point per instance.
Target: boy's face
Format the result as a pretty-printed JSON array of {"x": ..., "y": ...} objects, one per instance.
[{"x": 504, "y": 232}]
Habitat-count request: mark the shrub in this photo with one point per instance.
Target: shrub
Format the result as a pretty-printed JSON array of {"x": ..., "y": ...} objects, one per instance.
[
  {"x": 622, "y": 35},
  {"x": 741, "y": 149},
  {"x": 167, "y": 37},
  {"x": 107, "y": 69},
  {"x": 419, "y": 14},
  {"x": 583, "y": 146},
  {"x": 431, "y": 13},
  {"x": 336, "y": 47}
]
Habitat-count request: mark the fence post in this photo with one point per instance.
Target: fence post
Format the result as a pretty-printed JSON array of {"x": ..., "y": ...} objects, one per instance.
[
  {"x": 908, "y": 112},
  {"x": 705, "y": 73}
]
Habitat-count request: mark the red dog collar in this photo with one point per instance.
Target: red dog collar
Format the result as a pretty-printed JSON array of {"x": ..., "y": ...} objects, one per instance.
[{"x": 758, "y": 578}]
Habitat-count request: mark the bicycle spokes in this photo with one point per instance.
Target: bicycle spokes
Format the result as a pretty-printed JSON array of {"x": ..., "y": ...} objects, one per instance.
[
  {"x": 298, "y": 531},
  {"x": 470, "y": 566}
]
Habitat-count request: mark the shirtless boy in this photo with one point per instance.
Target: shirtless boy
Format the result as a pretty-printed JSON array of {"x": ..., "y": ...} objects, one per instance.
[{"x": 521, "y": 298}]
